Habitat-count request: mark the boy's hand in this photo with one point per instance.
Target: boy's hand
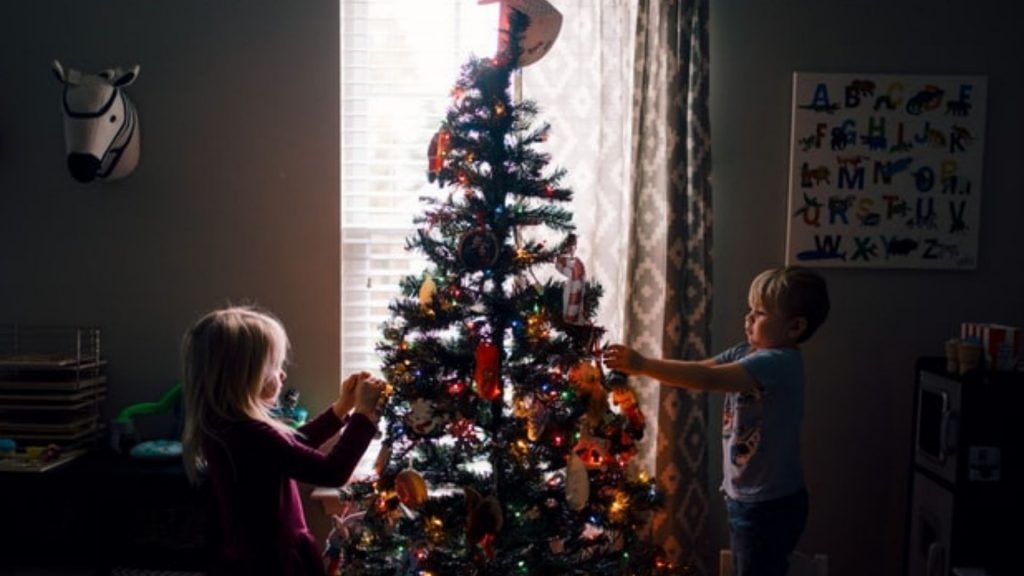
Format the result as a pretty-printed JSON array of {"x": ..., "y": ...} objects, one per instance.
[
  {"x": 347, "y": 394},
  {"x": 624, "y": 359}
]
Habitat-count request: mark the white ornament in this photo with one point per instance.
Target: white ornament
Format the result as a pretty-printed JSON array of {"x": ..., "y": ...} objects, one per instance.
[
  {"x": 577, "y": 487},
  {"x": 421, "y": 417}
]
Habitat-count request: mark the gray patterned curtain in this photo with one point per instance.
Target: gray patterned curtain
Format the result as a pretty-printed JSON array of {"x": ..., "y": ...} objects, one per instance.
[{"x": 669, "y": 303}]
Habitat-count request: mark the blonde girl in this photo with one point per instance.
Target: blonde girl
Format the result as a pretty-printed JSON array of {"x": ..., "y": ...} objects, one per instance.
[{"x": 234, "y": 361}]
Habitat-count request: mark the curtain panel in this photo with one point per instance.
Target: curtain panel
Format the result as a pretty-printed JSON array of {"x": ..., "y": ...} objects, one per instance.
[{"x": 669, "y": 277}]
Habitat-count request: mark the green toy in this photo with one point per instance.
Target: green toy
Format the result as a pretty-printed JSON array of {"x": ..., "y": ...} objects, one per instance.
[
  {"x": 166, "y": 403},
  {"x": 124, "y": 437}
]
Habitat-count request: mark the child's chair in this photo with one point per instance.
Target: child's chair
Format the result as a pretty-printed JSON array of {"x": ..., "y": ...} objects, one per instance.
[{"x": 800, "y": 564}]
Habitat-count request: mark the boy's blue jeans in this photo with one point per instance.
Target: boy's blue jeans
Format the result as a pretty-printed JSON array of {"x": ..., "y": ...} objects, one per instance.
[{"x": 763, "y": 534}]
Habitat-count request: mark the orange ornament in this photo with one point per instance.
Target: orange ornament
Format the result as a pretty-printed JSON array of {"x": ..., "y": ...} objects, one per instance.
[
  {"x": 587, "y": 379},
  {"x": 411, "y": 489}
]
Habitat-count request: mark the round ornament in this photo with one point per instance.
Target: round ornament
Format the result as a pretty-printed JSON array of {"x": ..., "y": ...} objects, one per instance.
[
  {"x": 478, "y": 249},
  {"x": 411, "y": 489},
  {"x": 422, "y": 417}
]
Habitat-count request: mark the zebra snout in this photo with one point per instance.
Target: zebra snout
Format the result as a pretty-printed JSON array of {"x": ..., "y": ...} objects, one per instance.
[{"x": 83, "y": 167}]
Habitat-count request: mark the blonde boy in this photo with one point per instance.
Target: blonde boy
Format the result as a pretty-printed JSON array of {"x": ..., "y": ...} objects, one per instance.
[{"x": 763, "y": 383}]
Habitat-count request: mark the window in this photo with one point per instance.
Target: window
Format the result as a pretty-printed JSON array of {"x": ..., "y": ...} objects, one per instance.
[{"x": 399, "y": 60}]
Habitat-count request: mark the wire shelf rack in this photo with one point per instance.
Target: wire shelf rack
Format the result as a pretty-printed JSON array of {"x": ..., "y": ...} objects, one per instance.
[{"x": 52, "y": 383}]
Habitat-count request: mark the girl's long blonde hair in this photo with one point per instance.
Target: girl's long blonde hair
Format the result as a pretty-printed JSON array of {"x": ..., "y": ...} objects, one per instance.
[{"x": 228, "y": 356}]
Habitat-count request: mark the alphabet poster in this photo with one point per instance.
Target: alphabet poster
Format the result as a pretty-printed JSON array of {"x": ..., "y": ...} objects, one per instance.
[{"x": 885, "y": 171}]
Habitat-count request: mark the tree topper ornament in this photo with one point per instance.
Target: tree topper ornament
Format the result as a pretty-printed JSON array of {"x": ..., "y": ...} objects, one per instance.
[{"x": 539, "y": 36}]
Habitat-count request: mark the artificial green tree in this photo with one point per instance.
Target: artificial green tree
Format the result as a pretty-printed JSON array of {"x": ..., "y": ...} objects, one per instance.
[{"x": 507, "y": 448}]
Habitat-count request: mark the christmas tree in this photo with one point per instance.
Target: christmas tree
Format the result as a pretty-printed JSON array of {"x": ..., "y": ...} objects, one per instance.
[{"x": 507, "y": 448}]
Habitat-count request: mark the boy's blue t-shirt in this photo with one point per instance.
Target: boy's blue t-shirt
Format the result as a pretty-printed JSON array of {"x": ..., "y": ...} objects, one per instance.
[{"x": 761, "y": 429}]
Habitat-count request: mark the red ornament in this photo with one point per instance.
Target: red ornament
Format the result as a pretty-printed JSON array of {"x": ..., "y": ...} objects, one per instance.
[
  {"x": 625, "y": 398},
  {"x": 438, "y": 149},
  {"x": 488, "y": 371}
]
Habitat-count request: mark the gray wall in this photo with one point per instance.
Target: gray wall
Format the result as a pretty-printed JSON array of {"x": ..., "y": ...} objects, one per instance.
[
  {"x": 235, "y": 198},
  {"x": 860, "y": 365}
]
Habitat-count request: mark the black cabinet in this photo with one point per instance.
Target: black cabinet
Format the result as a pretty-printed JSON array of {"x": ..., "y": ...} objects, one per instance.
[
  {"x": 966, "y": 472},
  {"x": 105, "y": 511}
]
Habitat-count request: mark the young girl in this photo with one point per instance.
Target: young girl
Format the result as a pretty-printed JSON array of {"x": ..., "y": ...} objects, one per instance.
[{"x": 234, "y": 368}]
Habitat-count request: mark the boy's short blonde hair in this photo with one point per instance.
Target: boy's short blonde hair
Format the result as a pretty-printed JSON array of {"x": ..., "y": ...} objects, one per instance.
[{"x": 793, "y": 291}]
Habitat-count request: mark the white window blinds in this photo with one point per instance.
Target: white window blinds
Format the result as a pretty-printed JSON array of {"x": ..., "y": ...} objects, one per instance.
[{"x": 399, "y": 60}]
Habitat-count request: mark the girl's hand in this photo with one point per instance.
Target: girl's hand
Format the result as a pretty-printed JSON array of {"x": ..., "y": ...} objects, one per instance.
[
  {"x": 624, "y": 359},
  {"x": 367, "y": 397},
  {"x": 347, "y": 394}
]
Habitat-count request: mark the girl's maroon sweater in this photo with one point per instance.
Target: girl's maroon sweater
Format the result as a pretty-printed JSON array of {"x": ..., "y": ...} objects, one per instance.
[{"x": 253, "y": 469}]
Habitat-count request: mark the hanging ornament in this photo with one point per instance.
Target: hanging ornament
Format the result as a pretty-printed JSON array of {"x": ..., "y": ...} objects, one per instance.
[
  {"x": 434, "y": 528},
  {"x": 411, "y": 489},
  {"x": 571, "y": 267},
  {"x": 427, "y": 291},
  {"x": 538, "y": 419},
  {"x": 592, "y": 451},
  {"x": 625, "y": 398},
  {"x": 456, "y": 387},
  {"x": 537, "y": 327},
  {"x": 400, "y": 372},
  {"x": 521, "y": 406},
  {"x": 483, "y": 520},
  {"x": 628, "y": 452},
  {"x": 388, "y": 508},
  {"x": 520, "y": 449},
  {"x": 346, "y": 526},
  {"x": 478, "y": 249},
  {"x": 422, "y": 417},
  {"x": 382, "y": 460},
  {"x": 462, "y": 428},
  {"x": 436, "y": 152},
  {"x": 619, "y": 507},
  {"x": 577, "y": 484},
  {"x": 488, "y": 371},
  {"x": 591, "y": 532},
  {"x": 586, "y": 379},
  {"x": 539, "y": 36}
]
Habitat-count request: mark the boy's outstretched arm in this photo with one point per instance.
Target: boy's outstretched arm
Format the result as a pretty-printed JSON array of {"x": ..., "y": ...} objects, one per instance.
[{"x": 703, "y": 375}]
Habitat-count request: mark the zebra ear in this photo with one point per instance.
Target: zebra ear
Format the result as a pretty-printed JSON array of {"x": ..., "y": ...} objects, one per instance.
[
  {"x": 126, "y": 77},
  {"x": 58, "y": 70},
  {"x": 70, "y": 76}
]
